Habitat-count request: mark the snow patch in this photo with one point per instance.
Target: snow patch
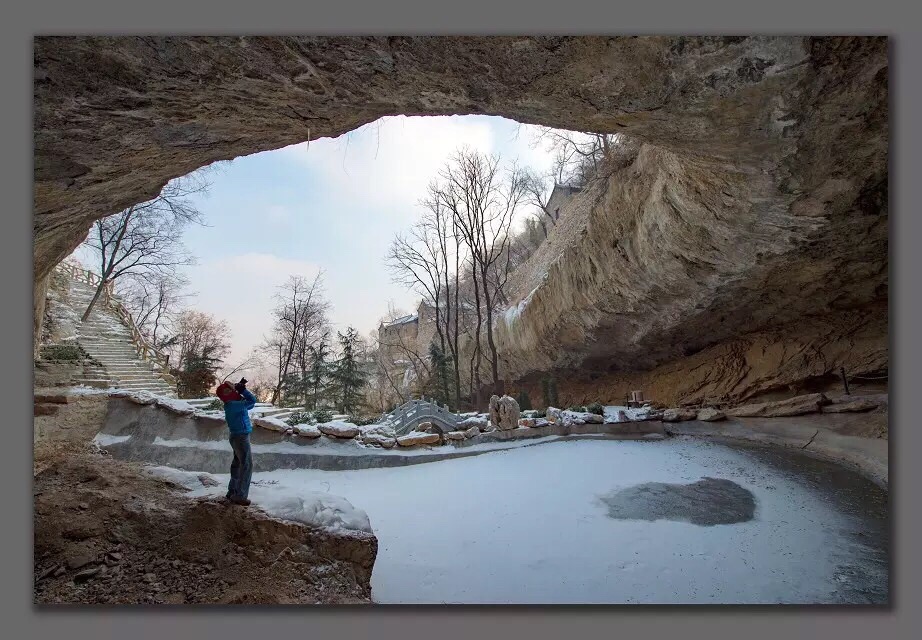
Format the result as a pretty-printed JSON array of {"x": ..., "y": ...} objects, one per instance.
[
  {"x": 513, "y": 314},
  {"x": 105, "y": 439},
  {"x": 313, "y": 508}
]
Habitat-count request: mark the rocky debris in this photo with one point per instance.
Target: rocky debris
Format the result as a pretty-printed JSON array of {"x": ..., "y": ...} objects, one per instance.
[
  {"x": 79, "y": 559},
  {"x": 416, "y": 438},
  {"x": 157, "y": 546},
  {"x": 455, "y": 435},
  {"x": 379, "y": 440},
  {"x": 45, "y": 409},
  {"x": 851, "y": 406},
  {"x": 88, "y": 573},
  {"x": 709, "y": 414},
  {"x": 527, "y": 422},
  {"x": 555, "y": 415},
  {"x": 50, "y": 398},
  {"x": 424, "y": 427},
  {"x": 504, "y": 412},
  {"x": 796, "y": 406},
  {"x": 207, "y": 480},
  {"x": 339, "y": 429},
  {"x": 679, "y": 414}
]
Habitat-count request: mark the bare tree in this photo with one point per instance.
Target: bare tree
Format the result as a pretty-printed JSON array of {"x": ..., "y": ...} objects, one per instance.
[
  {"x": 483, "y": 204},
  {"x": 420, "y": 261},
  {"x": 300, "y": 321},
  {"x": 578, "y": 155},
  {"x": 154, "y": 303},
  {"x": 198, "y": 347},
  {"x": 144, "y": 239}
]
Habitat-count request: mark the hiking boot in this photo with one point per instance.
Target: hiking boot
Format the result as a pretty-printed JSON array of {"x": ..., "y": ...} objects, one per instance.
[{"x": 243, "y": 502}]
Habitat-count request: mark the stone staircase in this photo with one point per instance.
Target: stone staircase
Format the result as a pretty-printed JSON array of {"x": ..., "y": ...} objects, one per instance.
[{"x": 108, "y": 339}]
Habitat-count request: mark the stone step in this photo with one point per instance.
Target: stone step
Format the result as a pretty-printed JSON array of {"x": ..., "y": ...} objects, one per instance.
[{"x": 97, "y": 383}]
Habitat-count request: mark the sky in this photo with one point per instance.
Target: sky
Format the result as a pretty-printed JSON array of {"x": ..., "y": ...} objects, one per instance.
[{"x": 333, "y": 204}]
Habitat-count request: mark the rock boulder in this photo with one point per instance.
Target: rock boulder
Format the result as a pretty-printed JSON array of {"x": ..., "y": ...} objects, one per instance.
[{"x": 504, "y": 412}]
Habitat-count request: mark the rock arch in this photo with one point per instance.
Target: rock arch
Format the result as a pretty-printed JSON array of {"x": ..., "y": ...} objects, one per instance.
[{"x": 778, "y": 143}]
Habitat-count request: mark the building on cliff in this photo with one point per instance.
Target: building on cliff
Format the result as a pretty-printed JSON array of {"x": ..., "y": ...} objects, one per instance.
[{"x": 560, "y": 196}]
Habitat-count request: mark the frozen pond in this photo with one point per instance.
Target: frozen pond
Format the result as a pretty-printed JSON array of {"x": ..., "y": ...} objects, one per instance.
[{"x": 599, "y": 521}]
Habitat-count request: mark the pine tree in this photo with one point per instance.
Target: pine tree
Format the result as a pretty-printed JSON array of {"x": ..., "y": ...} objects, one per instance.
[
  {"x": 347, "y": 375},
  {"x": 441, "y": 376},
  {"x": 318, "y": 376},
  {"x": 198, "y": 374}
]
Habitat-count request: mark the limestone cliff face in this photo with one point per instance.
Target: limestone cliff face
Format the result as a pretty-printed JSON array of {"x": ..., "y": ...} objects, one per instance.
[
  {"x": 757, "y": 195},
  {"x": 787, "y": 360}
]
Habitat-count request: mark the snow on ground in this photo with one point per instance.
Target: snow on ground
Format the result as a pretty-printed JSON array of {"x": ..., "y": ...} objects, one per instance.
[
  {"x": 314, "y": 508},
  {"x": 81, "y": 390},
  {"x": 105, "y": 439},
  {"x": 527, "y": 526}
]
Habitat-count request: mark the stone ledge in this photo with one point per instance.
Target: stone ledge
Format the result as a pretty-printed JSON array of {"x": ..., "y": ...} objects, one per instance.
[{"x": 868, "y": 456}]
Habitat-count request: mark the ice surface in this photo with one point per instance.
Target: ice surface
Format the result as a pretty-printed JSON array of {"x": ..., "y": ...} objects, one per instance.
[{"x": 528, "y": 526}]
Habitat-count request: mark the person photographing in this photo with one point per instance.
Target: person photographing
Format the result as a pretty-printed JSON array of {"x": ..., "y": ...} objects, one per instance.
[{"x": 238, "y": 401}]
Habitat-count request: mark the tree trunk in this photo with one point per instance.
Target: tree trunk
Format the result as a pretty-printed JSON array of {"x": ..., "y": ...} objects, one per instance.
[
  {"x": 494, "y": 355},
  {"x": 89, "y": 309}
]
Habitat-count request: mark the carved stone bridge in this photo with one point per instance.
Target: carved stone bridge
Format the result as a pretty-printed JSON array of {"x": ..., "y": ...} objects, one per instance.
[{"x": 411, "y": 414}]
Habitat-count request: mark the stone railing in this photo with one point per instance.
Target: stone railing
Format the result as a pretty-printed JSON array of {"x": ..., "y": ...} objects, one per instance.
[
  {"x": 412, "y": 413},
  {"x": 145, "y": 350}
]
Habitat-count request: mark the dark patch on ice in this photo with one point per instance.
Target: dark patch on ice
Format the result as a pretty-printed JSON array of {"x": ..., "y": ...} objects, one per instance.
[{"x": 707, "y": 502}]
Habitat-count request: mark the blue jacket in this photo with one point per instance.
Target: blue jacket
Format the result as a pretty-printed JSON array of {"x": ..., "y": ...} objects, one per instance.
[{"x": 235, "y": 412}]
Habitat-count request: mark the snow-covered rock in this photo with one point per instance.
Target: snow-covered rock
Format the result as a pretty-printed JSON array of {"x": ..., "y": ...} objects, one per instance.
[
  {"x": 796, "y": 406},
  {"x": 584, "y": 417},
  {"x": 455, "y": 435},
  {"x": 339, "y": 429},
  {"x": 306, "y": 430},
  {"x": 504, "y": 412},
  {"x": 472, "y": 432},
  {"x": 679, "y": 414},
  {"x": 709, "y": 414},
  {"x": 526, "y": 422},
  {"x": 473, "y": 421},
  {"x": 416, "y": 438},
  {"x": 272, "y": 424},
  {"x": 322, "y": 510},
  {"x": 180, "y": 407},
  {"x": 378, "y": 440}
]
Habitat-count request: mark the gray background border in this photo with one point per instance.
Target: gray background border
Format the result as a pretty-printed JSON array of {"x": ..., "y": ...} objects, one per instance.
[{"x": 894, "y": 18}]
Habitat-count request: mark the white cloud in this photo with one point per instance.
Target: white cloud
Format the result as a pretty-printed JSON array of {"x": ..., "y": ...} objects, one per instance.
[{"x": 391, "y": 160}]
